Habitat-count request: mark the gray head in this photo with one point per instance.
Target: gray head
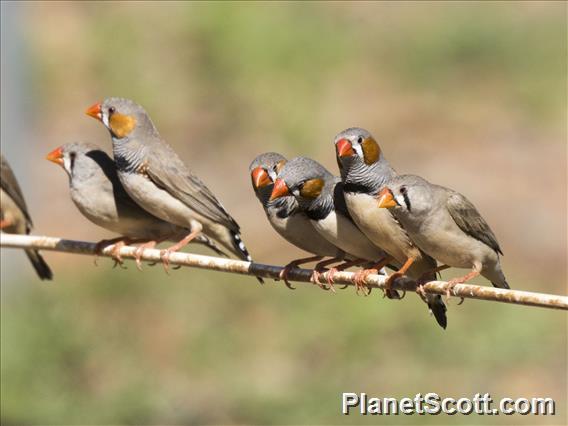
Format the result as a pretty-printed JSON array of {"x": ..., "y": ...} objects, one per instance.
[
  {"x": 264, "y": 170},
  {"x": 360, "y": 159},
  {"x": 83, "y": 162},
  {"x": 124, "y": 118},
  {"x": 408, "y": 196},
  {"x": 304, "y": 178}
]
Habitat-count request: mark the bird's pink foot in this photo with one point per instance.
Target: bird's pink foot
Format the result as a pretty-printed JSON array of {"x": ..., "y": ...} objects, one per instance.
[
  {"x": 450, "y": 289},
  {"x": 102, "y": 244},
  {"x": 140, "y": 251},
  {"x": 316, "y": 275},
  {"x": 456, "y": 281},
  {"x": 360, "y": 281}
]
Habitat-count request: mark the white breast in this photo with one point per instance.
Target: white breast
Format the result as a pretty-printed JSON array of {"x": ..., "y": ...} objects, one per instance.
[
  {"x": 298, "y": 230},
  {"x": 379, "y": 226},
  {"x": 343, "y": 233}
]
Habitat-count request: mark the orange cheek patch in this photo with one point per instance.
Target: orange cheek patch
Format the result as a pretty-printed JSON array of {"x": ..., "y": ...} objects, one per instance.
[
  {"x": 121, "y": 125},
  {"x": 371, "y": 151},
  {"x": 312, "y": 188}
]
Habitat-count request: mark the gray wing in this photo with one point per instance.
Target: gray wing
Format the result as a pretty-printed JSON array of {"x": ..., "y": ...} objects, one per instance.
[
  {"x": 10, "y": 185},
  {"x": 167, "y": 171},
  {"x": 470, "y": 221}
]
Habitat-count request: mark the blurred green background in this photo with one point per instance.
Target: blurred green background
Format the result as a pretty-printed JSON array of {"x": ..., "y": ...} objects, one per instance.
[{"x": 471, "y": 96}]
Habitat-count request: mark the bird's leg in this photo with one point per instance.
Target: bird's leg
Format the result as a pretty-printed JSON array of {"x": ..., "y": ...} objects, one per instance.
[
  {"x": 389, "y": 292},
  {"x": 294, "y": 264},
  {"x": 320, "y": 268},
  {"x": 460, "y": 280},
  {"x": 115, "y": 253},
  {"x": 345, "y": 265},
  {"x": 5, "y": 223},
  {"x": 361, "y": 276},
  {"x": 102, "y": 244},
  {"x": 140, "y": 251},
  {"x": 426, "y": 277},
  {"x": 122, "y": 243},
  {"x": 165, "y": 254}
]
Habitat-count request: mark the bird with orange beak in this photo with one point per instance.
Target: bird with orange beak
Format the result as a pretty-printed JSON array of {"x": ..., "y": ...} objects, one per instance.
[
  {"x": 156, "y": 178},
  {"x": 446, "y": 225},
  {"x": 98, "y": 194},
  {"x": 286, "y": 217},
  {"x": 364, "y": 171},
  {"x": 320, "y": 196}
]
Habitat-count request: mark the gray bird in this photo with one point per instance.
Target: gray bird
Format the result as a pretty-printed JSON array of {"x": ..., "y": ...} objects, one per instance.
[
  {"x": 15, "y": 218},
  {"x": 98, "y": 194},
  {"x": 157, "y": 179},
  {"x": 320, "y": 196},
  {"x": 286, "y": 217},
  {"x": 364, "y": 171},
  {"x": 447, "y": 226}
]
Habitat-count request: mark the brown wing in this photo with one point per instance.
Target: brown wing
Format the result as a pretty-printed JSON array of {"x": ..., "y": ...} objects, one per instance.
[
  {"x": 10, "y": 185},
  {"x": 167, "y": 171},
  {"x": 470, "y": 221}
]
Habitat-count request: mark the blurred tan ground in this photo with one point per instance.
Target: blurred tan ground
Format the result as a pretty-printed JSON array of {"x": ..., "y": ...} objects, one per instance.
[{"x": 471, "y": 96}]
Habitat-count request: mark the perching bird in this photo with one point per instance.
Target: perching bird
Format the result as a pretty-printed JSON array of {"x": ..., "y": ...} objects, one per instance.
[
  {"x": 15, "y": 218},
  {"x": 98, "y": 194},
  {"x": 320, "y": 196},
  {"x": 285, "y": 215},
  {"x": 157, "y": 179},
  {"x": 364, "y": 171},
  {"x": 447, "y": 226}
]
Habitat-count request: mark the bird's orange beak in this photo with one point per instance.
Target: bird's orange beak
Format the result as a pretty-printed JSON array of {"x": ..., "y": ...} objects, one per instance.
[
  {"x": 260, "y": 178},
  {"x": 55, "y": 156},
  {"x": 386, "y": 199},
  {"x": 344, "y": 148},
  {"x": 280, "y": 190},
  {"x": 95, "y": 111}
]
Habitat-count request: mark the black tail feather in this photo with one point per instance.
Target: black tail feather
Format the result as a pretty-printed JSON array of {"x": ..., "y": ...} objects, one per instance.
[
  {"x": 438, "y": 308},
  {"x": 39, "y": 265},
  {"x": 504, "y": 285},
  {"x": 242, "y": 250}
]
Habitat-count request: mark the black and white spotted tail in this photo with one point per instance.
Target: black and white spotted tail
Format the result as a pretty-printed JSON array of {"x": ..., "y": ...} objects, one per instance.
[{"x": 242, "y": 250}]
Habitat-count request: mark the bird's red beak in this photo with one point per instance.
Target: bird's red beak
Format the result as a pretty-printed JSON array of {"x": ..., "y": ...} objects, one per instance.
[
  {"x": 344, "y": 148},
  {"x": 260, "y": 178},
  {"x": 386, "y": 199},
  {"x": 280, "y": 190},
  {"x": 95, "y": 111},
  {"x": 56, "y": 156}
]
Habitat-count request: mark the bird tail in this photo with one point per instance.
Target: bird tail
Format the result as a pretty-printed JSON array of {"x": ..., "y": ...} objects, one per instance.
[
  {"x": 240, "y": 247},
  {"x": 497, "y": 278},
  {"x": 242, "y": 251},
  {"x": 39, "y": 265},
  {"x": 501, "y": 284},
  {"x": 438, "y": 309}
]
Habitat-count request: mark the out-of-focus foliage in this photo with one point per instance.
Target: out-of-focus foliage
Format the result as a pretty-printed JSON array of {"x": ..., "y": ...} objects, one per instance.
[{"x": 470, "y": 96}]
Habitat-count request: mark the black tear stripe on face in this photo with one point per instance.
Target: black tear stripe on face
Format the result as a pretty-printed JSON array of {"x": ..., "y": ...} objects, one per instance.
[
  {"x": 406, "y": 200},
  {"x": 72, "y": 156}
]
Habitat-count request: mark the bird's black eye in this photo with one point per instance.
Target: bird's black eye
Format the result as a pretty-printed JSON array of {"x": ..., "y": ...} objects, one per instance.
[
  {"x": 403, "y": 190},
  {"x": 111, "y": 110},
  {"x": 359, "y": 139}
]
